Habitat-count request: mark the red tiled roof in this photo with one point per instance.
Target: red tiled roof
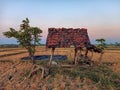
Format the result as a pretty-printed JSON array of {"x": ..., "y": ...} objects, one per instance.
[{"x": 65, "y": 37}]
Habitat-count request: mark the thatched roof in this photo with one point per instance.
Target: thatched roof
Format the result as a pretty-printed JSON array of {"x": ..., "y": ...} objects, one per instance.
[{"x": 65, "y": 37}]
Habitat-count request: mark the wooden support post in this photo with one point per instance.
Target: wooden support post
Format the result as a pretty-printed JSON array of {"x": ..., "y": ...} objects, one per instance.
[
  {"x": 86, "y": 52},
  {"x": 91, "y": 54},
  {"x": 78, "y": 52},
  {"x": 75, "y": 55},
  {"x": 100, "y": 58},
  {"x": 51, "y": 57}
]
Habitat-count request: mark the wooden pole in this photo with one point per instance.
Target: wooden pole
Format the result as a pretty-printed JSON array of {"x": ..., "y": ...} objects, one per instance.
[
  {"x": 75, "y": 55},
  {"x": 51, "y": 57},
  {"x": 91, "y": 55},
  {"x": 100, "y": 58},
  {"x": 78, "y": 53}
]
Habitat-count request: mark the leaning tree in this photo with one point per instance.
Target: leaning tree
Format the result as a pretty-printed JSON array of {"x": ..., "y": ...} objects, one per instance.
[
  {"x": 101, "y": 45},
  {"x": 101, "y": 42},
  {"x": 28, "y": 37}
]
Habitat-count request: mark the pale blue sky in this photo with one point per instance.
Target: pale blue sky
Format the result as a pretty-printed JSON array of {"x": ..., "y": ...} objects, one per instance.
[{"x": 100, "y": 17}]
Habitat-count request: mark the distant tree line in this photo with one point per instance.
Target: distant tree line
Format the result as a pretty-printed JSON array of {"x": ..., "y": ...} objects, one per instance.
[
  {"x": 9, "y": 46},
  {"x": 116, "y": 44},
  {"x": 14, "y": 45}
]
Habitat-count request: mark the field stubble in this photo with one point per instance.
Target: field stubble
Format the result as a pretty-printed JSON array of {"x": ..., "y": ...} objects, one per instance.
[{"x": 111, "y": 58}]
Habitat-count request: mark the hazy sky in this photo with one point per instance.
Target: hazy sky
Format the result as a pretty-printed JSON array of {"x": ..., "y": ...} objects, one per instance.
[{"x": 100, "y": 17}]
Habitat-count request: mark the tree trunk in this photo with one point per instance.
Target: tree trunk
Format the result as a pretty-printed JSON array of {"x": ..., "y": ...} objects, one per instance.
[{"x": 32, "y": 57}]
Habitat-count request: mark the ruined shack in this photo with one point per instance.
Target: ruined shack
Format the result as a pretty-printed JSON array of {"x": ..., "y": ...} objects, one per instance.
[{"x": 65, "y": 37}]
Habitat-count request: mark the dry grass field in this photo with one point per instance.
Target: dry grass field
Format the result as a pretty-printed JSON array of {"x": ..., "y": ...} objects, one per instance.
[{"x": 14, "y": 73}]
